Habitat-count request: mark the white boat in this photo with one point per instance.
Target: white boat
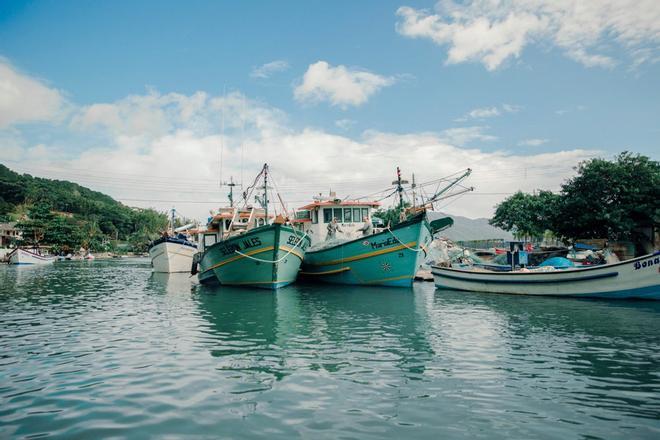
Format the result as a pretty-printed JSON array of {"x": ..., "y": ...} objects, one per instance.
[
  {"x": 636, "y": 278},
  {"x": 172, "y": 254},
  {"x": 174, "y": 251},
  {"x": 23, "y": 256}
]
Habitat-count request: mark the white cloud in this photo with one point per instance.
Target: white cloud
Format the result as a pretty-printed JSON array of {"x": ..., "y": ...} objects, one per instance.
[
  {"x": 339, "y": 85},
  {"x": 532, "y": 142},
  {"x": 465, "y": 135},
  {"x": 494, "y": 31},
  {"x": 486, "y": 112},
  {"x": 26, "y": 99},
  {"x": 178, "y": 163},
  {"x": 267, "y": 70},
  {"x": 489, "y": 112},
  {"x": 344, "y": 124}
]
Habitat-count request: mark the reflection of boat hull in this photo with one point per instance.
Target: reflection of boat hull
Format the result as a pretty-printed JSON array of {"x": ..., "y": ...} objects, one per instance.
[
  {"x": 172, "y": 256},
  {"x": 22, "y": 256},
  {"x": 389, "y": 258},
  {"x": 637, "y": 278},
  {"x": 267, "y": 257}
]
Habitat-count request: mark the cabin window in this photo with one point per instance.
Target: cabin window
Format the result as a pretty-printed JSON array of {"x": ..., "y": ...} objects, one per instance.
[
  {"x": 315, "y": 216},
  {"x": 327, "y": 215},
  {"x": 337, "y": 213},
  {"x": 365, "y": 212},
  {"x": 348, "y": 215},
  {"x": 356, "y": 215},
  {"x": 261, "y": 222},
  {"x": 209, "y": 240}
]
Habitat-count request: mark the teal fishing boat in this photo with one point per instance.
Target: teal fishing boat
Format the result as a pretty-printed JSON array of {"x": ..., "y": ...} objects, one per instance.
[
  {"x": 247, "y": 247},
  {"x": 388, "y": 258}
]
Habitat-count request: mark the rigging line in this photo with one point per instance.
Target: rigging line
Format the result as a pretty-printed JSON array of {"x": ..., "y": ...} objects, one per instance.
[
  {"x": 242, "y": 139},
  {"x": 222, "y": 125}
]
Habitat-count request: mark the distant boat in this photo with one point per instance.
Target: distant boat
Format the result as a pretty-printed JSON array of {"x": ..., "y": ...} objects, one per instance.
[
  {"x": 636, "y": 278},
  {"x": 242, "y": 247},
  {"x": 24, "y": 256},
  {"x": 173, "y": 252}
]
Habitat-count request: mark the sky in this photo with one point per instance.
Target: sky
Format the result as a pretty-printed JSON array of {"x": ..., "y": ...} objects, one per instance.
[{"x": 157, "y": 102}]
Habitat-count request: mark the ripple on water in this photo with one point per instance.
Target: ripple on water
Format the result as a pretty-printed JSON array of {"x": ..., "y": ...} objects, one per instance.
[{"x": 106, "y": 349}]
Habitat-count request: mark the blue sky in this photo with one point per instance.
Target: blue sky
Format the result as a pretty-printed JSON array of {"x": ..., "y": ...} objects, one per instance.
[{"x": 538, "y": 86}]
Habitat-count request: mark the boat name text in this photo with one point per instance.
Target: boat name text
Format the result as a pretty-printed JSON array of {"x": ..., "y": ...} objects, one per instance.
[
  {"x": 293, "y": 241},
  {"x": 648, "y": 263},
  {"x": 381, "y": 244},
  {"x": 247, "y": 243}
]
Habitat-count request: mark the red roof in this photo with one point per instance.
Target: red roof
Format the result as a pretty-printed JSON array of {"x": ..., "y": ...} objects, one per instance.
[{"x": 317, "y": 204}]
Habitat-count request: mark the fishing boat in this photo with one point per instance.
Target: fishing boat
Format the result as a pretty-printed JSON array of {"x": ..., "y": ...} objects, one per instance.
[
  {"x": 389, "y": 256},
  {"x": 247, "y": 246},
  {"x": 173, "y": 252},
  {"x": 24, "y": 256},
  {"x": 636, "y": 278}
]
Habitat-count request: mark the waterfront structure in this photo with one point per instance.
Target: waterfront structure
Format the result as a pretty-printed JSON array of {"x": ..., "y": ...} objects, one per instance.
[
  {"x": 636, "y": 278},
  {"x": 248, "y": 247},
  {"x": 9, "y": 234}
]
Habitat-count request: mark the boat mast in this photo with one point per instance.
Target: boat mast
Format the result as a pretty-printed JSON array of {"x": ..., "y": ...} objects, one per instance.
[
  {"x": 266, "y": 191},
  {"x": 231, "y": 186},
  {"x": 172, "y": 221},
  {"x": 414, "y": 196},
  {"x": 399, "y": 182}
]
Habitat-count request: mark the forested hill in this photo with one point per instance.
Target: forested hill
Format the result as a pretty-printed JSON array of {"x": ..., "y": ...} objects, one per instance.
[{"x": 92, "y": 218}]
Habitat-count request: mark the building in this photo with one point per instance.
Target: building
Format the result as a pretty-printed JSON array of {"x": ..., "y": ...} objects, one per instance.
[{"x": 9, "y": 235}]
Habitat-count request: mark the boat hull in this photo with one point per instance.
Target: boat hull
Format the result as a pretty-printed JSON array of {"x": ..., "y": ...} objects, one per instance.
[
  {"x": 389, "y": 258},
  {"x": 636, "y": 278},
  {"x": 21, "y": 256},
  {"x": 171, "y": 257},
  {"x": 268, "y": 257}
]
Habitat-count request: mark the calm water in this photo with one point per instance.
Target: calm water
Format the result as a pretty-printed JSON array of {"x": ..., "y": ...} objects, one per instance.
[{"x": 98, "y": 349}]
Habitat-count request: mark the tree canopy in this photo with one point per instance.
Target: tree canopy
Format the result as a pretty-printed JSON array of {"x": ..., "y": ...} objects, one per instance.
[
  {"x": 68, "y": 216},
  {"x": 606, "y": 199}
]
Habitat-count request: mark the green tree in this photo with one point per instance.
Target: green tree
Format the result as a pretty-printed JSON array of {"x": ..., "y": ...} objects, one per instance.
[
  {"x": 610, "y": 199},
  {"x": 34, "y": 227},
  {"x": 64, "y": 235},
  {"x": 526, "y": 215}
]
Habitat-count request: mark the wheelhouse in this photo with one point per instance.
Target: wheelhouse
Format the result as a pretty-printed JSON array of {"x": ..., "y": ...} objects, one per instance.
[
  {"x": 313, "y": 218},
  {"x": 230, "y": 221}
]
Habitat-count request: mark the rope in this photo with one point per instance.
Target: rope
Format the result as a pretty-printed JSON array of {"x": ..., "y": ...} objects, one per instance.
[
  {"x": 421, "y": 248},
  {"x": 272, "y": 261}
]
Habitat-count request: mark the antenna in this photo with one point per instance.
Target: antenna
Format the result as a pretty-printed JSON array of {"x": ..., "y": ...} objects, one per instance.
[{"x": 231, "y": 186}]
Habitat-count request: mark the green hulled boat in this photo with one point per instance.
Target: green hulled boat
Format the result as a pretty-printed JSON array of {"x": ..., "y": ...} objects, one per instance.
[
  {"x": 247, "y": 247},
  {"x": 387, "y": 258},
  {"x": 268, "y": 257}
]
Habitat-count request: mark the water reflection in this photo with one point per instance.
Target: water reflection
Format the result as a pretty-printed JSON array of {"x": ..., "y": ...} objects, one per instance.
[
  {"x": 604, "y": 355},
  {"x": 315, "y": 328}
]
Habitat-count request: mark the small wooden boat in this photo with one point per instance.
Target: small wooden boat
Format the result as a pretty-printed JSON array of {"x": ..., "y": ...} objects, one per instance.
[
  {"x": 24, "y": 256},
  {"x": 636, "y": 278}
]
